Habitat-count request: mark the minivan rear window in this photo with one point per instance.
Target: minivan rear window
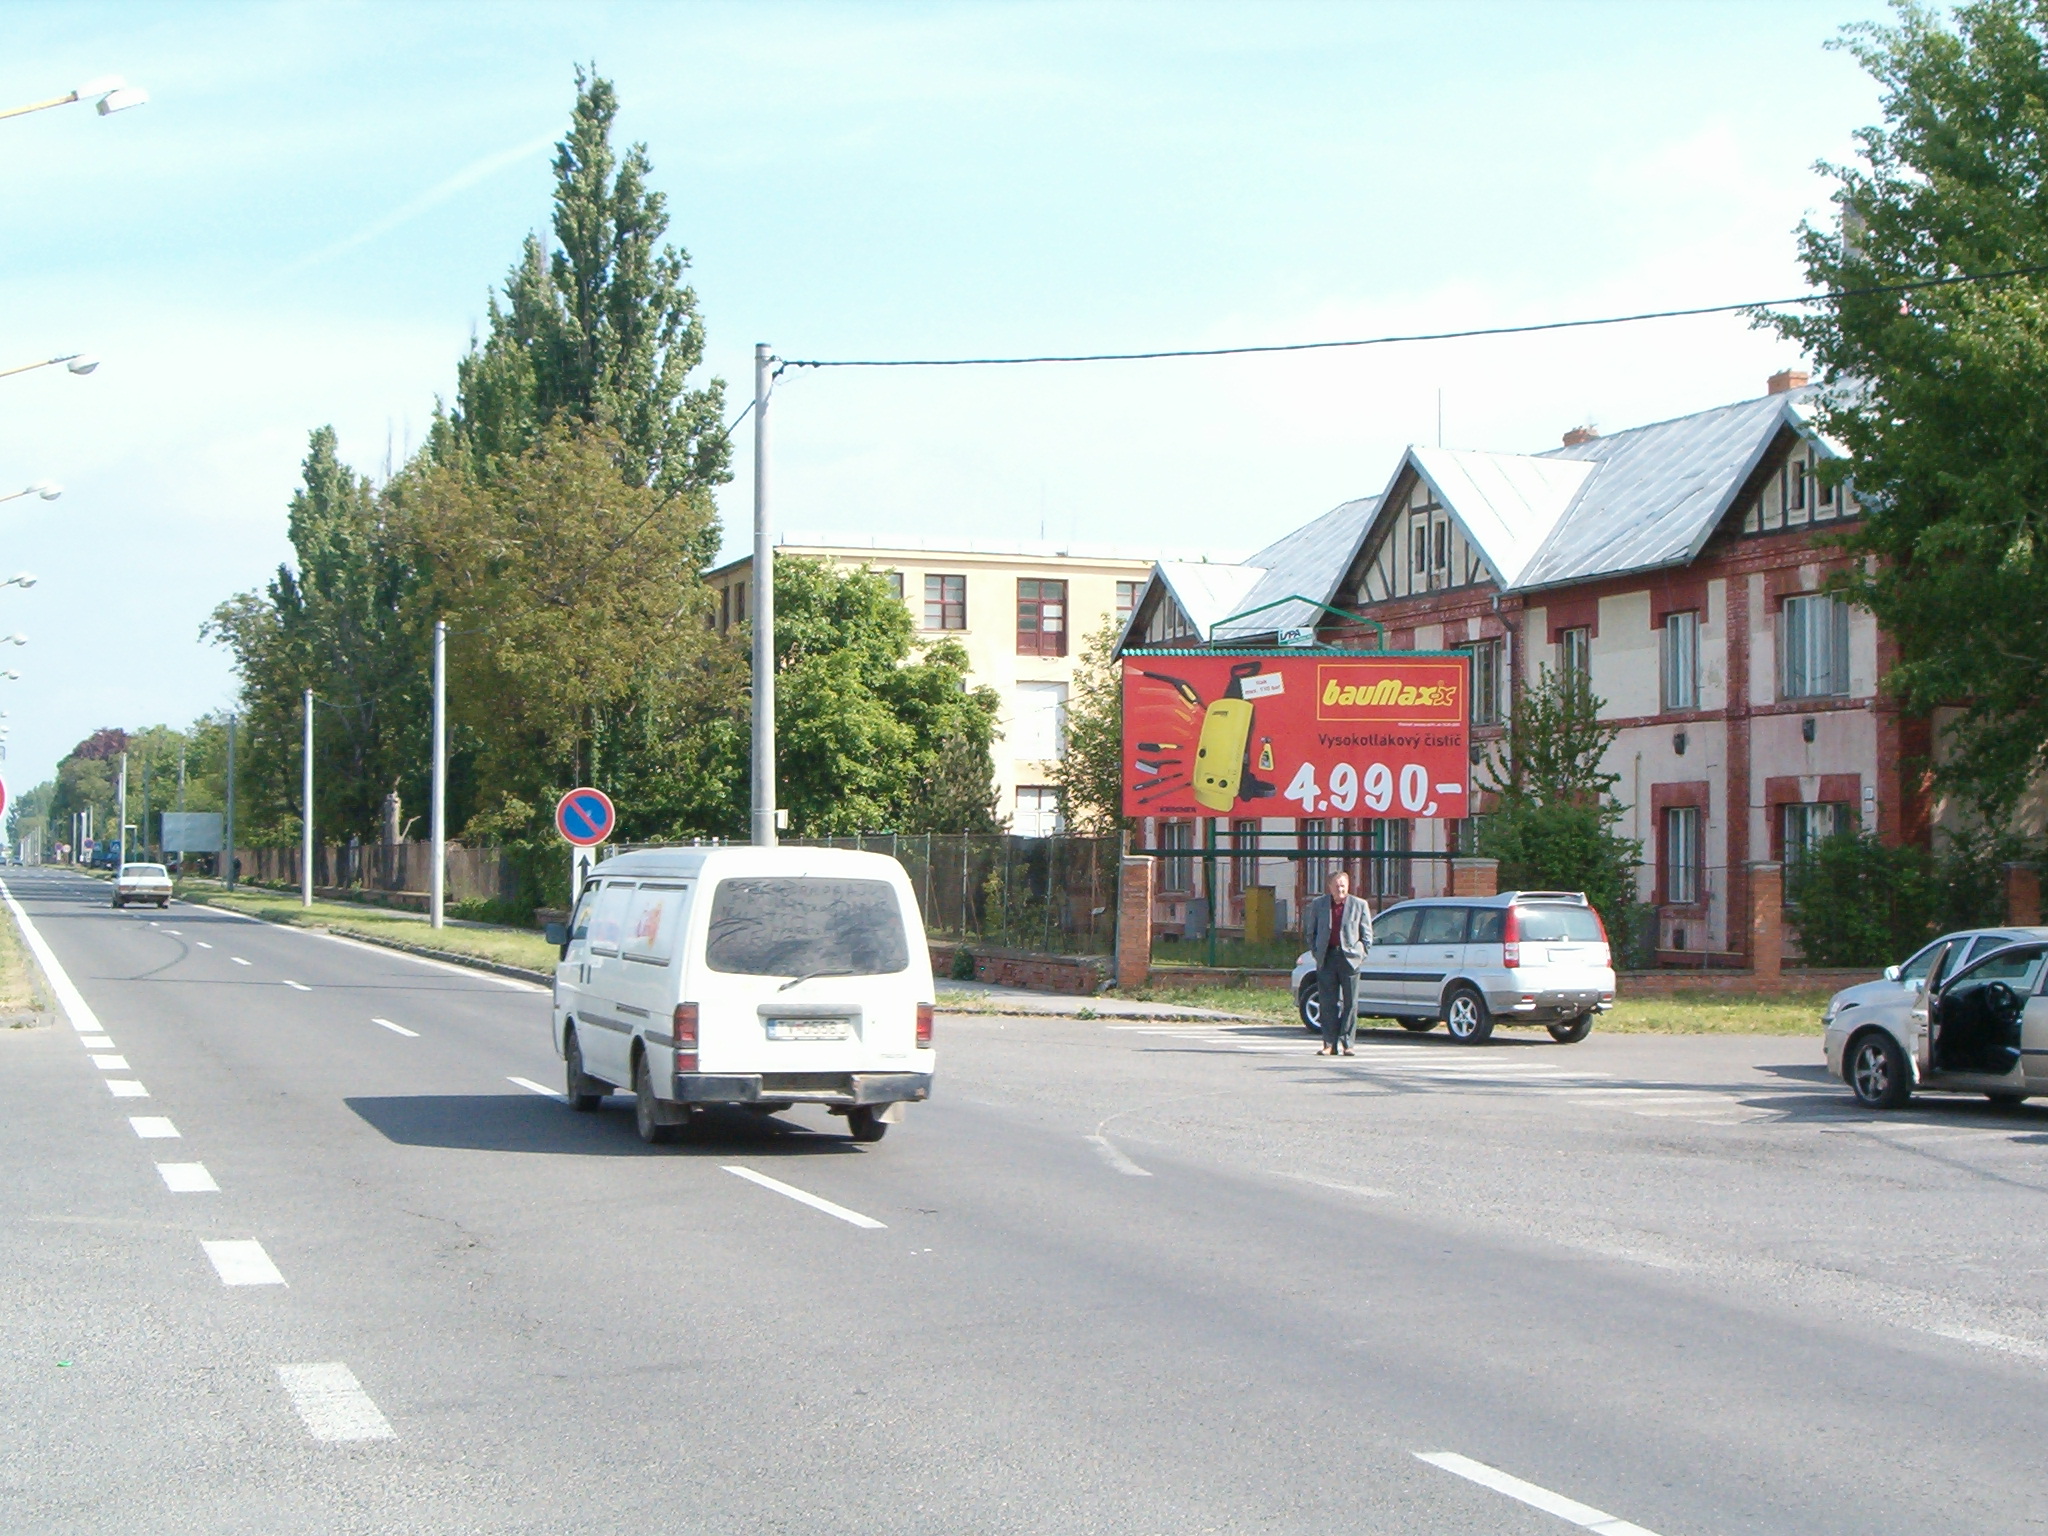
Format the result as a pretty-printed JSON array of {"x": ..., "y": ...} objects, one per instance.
[
  {"x": 806, "y": 926},
  {"x": 1559, "y": 925}
]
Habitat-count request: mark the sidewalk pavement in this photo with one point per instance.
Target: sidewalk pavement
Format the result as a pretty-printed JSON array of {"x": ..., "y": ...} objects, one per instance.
[{"x": 987, "y": 997}]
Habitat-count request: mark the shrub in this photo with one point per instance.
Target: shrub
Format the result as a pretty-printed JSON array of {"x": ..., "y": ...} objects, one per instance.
[{"x": 1857, "y": 902}]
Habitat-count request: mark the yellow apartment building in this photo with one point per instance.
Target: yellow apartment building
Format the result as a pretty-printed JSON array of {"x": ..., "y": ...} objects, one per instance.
[{"x": 1023, "y": 613}]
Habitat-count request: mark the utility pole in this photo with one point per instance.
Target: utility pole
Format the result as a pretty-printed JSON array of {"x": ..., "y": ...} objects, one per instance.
[
  {"x": 438, "y": 817},
  {"x": 181, "y": 806},
  {"x": 122, "y": 815},
  {"x": 764, "y": 616},
  {"x": 306, "y": 831},
  {"x": 229, "y": 830}
]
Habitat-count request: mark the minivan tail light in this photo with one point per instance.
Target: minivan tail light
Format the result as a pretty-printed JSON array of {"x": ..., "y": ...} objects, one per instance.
[
  {"x": 924, "y": 1026},
  {"x": 1511, "y": 936},
  {"x": 685, "y": 1031}
]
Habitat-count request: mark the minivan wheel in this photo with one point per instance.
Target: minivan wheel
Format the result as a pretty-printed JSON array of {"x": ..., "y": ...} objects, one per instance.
[
  {"x": 865, "y": 1123},
  {"x": 1877, "y": 1071},
  {"x": 1418, "y": 1026},
  {"x": 1572, "y": 1031},
  {"x": 578, "y": 1088},
  {"x": 647, "y": 1110},
  {"x": 1309, "y": 1001},
  {"x": 1466, "y": 1016}
]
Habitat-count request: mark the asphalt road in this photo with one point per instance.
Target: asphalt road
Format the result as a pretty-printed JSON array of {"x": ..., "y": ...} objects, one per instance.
[{"x": 1114, "y": 1278}]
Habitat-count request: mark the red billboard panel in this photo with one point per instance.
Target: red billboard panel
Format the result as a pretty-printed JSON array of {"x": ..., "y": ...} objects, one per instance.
[{"x": 1382, "y": 737}]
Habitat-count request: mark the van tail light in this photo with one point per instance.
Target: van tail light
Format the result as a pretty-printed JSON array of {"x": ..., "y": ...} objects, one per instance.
[
  {"x": 685, "y": 1031},
  {"x": 1606, "y": 954},
  {"x": 1511, "y": 936},
  {"x": 924, "y": 1026}
]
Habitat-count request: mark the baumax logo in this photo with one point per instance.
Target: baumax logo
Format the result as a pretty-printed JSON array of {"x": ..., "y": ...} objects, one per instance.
[{"x": 1416, "y": 693}]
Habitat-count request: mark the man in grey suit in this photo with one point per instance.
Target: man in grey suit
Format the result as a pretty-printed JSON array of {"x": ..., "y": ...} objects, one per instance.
[{"x": 1339, "y": 933}]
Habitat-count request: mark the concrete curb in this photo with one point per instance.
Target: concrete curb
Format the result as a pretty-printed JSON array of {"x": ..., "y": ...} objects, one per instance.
[{"x": 424, "y": 951}]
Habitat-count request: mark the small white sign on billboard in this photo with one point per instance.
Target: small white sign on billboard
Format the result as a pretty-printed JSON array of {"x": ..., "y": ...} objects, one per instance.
[
  {"x": 1298, "y": 637},
  {"x": 192, "y": 831}
]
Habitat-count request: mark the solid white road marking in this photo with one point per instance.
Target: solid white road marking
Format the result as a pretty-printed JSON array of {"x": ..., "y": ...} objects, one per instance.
[
  {"x": 111, "y": 1063},
  {"x": 82, "y": 1018},
  {"x": 803, "y": 1196},
  {"x": 238, "y": 959},
  {"x": 153, "y": 1127},
  {"x": 398, "y": 1029},
  {"x": 333, "y": 1403},
  {"x": 298, "y": 986},
  {"x": 126, "y": 1088},
  {"x": 1116, "y": 1159},
  {"x": 187, "y": 1179},
  {"x": 242, "y": 1261},
  {"x": 529, "y": 1084},
  {"x": 1583, "y": 1515},
  {"x": 96, "y": 1042},
  {"x": 202, "y": 943}
]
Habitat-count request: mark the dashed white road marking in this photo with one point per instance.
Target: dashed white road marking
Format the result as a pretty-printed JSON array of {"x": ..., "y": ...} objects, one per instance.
[
  {"x": 238, "y": 959},
  {"x": 333, "y": 1403},
  {"x": 126, "y": 1088},
  {"x": 1582, "y": 1515},
  {"x": 1113, "y": 1155},
  {"x": 532, "y": 1087},
  {"x": 187, "y": 1179},
  {"x": 153, "y": 1127},
  {"x": 298, "y": 986},
  {"x": 96, "y": 1042},
  {"x": 398, "y": 1029},
  {"x": 111, "y": 1063},
  {"x": 803, "y": 1197},
  {"x": 242, "y": 1261},
  {"x": 202, "y": 943}
]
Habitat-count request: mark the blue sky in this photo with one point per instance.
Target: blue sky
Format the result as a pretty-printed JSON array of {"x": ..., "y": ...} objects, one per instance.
[{"x": 303, "y": 226}]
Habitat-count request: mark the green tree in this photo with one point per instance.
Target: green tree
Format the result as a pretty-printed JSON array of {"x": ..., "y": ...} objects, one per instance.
[
  {"x": 1937, "y": 393},
  {"x": 1552, "y": 825},
  {"x": 1857, "y": 902},
  {"x": 601, "y": 331},
  {"x": 1091, "y": 775}
]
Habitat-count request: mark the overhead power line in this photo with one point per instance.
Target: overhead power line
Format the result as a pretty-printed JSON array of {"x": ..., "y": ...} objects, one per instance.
[{"x": 1412, "y": 336}]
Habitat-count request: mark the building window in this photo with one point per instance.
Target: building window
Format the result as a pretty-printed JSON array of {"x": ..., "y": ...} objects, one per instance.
[
  {"x": 1244, "y": 870},
  {"x": 1813, "y": 634},
  {"x": 1127, "y": 599},
  {"x": 1168, "y": 622},
  {"x": 1681, "y": 660},
  {"x": 895, "y": 580},
  {"x": 1041, "y": 618},
  {"x": 724, "y": 608},
  {"x": 1038, "y": 728},
  {"x": 945, "y": 602},
  {"x": 1176, "y": 872},
  {"x": 1575, "y": 652},
  {"x": 1386, "y": 879},
  {"x": 1038, "y": 811},
  {"x": 1682, "y": 855},
  {"x": 1806, "y": 827},
  {"x": 1486, "y": 669},
  {"x": 739, "y": 602},
  {"x": 1418, "y": 539},
  {"x": 1315, "y": 842},
  {"x": 1799, "y": 485},
  {"x": 1827, "y": 490}
]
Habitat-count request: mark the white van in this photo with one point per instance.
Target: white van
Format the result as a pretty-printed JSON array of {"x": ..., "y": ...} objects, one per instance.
[{"x": 759, "y": 976}]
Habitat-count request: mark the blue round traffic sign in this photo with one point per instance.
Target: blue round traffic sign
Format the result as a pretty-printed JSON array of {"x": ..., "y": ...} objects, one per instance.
[{"x": 585, "y": 817}]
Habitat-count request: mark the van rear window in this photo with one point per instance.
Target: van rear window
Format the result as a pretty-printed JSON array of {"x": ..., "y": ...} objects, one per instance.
[
  {"x": 1559, "y": 925},
  {"x": 805, "y": 926}
]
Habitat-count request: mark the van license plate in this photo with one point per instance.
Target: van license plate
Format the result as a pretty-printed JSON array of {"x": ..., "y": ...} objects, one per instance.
[{"x": 807, "y": 1029}]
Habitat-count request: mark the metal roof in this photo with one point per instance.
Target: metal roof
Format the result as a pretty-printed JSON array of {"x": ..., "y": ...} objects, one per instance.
[
  {"x": 1507, "y": 503},
  {"x": 1309, "y": 562}
]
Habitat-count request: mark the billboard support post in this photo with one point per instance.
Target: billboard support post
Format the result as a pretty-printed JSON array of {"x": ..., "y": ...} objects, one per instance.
[{"x": 1209, "y": 881}]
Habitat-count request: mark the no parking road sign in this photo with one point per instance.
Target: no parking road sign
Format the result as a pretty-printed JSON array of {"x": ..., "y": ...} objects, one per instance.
[{"x": 585, "y": 817}]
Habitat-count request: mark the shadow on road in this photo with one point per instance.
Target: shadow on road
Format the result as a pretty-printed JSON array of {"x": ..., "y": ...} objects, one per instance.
[{"x": 505, "y": 1122}]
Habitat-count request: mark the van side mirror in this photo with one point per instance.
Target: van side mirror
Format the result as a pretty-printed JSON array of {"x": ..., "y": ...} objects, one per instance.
[
  {"x": 557, "y": 934},
  {"x": 1891, "y": 973}
]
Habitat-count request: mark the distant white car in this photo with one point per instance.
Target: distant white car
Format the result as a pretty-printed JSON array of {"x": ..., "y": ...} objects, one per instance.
[{"x": 142, "y": 882}]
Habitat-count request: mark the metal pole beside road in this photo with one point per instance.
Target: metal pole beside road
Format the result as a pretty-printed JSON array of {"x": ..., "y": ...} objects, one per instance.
[
  {"x": 229, "y": 839},
  {"x": 438, "y": 819},
  {"x": 764, "y": 617},
  {"x": 306, "y": 831},
  {"x": 122, "y": 816}
]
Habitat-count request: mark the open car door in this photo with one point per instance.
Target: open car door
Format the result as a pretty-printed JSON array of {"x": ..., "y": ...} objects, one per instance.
[{"x": 1976, "y": 1020}]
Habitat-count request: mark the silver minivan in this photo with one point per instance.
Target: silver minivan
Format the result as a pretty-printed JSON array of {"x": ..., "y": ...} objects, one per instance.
[
  {"x": 1522, "y": 957},
  {"x": 763, "y": 977}
]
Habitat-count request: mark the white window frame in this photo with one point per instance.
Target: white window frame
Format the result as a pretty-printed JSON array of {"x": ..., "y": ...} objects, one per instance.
[
  {"x": 1813, "y": 646},
  {"x": 1681, "y": 855},
  {"x": 1680, "y": 659}
]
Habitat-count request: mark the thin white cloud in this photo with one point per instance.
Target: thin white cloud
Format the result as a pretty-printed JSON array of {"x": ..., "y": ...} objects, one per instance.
[{"x": 433, "y": 197}]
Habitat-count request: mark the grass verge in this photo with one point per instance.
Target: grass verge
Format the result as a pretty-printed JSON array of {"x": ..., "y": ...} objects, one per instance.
[
  {"x": 484, "y": 941},
  {"x": 21, "y": 984},
  {"x": 1795, "y": 1014}
]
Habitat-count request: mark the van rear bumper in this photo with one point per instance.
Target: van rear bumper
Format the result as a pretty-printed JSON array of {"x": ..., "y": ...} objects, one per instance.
[{"x": 804, "y": 1087}]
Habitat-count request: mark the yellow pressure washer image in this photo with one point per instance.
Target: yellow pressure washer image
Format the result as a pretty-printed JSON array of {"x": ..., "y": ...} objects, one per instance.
[{"x": 1220, "y": 756}]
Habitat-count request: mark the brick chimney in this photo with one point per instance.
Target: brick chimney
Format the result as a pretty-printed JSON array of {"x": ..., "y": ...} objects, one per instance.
[
  {"x": 1579, "y": 435},
  {"x": 1786, "y": 378}
]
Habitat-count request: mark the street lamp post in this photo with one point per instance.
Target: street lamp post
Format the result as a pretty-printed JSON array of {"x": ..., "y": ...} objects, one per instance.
[
  {"x": 114, "y": 93},
  {"x": 306, "y": 832},
  {"x": 49, "y": 490},
  {"x": 764, "y": 615},
  {"x": 438, "y": 817},
  {"x": 74, "y": 362},
  {"x": 229, "y": 838}
]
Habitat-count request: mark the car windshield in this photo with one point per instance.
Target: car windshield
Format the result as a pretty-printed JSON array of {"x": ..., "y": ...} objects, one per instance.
[
  {"x": 1559, "y": 925},
  {"x": 144, "y": 870},
  {"x": 2019, "y": 968},
  {"x": 806, "y": 926}
]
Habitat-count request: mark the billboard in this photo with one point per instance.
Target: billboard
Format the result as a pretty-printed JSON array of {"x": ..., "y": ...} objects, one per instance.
[
  {"x": 191, "y": 831},
  {"x": 1380, "y": 736}
]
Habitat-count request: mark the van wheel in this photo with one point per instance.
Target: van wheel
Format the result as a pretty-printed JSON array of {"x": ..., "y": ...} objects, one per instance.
[
  {"x": 582, "y": 1091},
  {"x": 1466, "y": 1016},
  {"x": 1417, "y": 1026},
  {"x": 865, "y": 1123},
  {"x": 1309, "y": 1000},
  {"x": 1877, "y": 1071},
  {"x": 647, "y": 1109},
  {"x": 1572, "y": 1031}
]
